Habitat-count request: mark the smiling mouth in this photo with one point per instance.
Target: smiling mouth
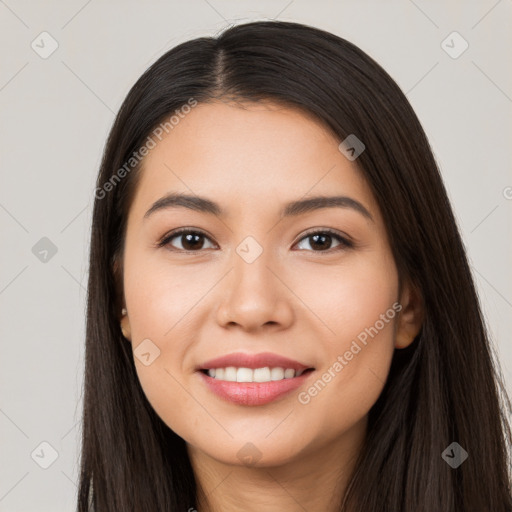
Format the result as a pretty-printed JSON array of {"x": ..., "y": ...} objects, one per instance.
[
  {"x": 254, "y": 376},
  {"x": 248, "y": 387}
]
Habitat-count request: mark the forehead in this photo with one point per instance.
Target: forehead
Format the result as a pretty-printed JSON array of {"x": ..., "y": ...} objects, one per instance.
[{"x": 257, "y": 155}]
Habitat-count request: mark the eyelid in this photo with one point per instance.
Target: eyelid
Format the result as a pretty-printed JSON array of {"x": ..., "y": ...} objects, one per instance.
[
  {"x": 179, "y": 231},
  {"x": 344, "y": 240},
  {"x": 330, "y": 231}
]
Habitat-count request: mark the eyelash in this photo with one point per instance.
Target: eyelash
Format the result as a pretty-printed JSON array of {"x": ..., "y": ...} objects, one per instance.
[{"x": 344, "y": 243}]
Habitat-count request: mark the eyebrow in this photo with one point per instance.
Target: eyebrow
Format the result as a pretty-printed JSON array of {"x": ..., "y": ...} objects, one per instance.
[{"x": 293, "y": 208}]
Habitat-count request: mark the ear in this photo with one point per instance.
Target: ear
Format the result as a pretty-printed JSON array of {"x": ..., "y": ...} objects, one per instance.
[
  {"x": 410, "y": 317},
  {"x": 124, "y": 320},
  {"x": 125, "y": 327}
]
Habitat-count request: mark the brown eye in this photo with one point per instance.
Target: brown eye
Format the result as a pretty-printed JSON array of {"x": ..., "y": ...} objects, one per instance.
[
  {"x": 322, "y": 240},
  {"x": 191, "y": 241}
]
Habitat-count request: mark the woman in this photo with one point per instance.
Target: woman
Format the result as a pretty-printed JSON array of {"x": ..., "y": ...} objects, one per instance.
[{"x": 281, "y": 315}]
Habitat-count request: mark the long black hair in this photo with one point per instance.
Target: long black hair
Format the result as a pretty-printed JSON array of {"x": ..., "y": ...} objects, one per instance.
[{"x": 445, "y": 387}]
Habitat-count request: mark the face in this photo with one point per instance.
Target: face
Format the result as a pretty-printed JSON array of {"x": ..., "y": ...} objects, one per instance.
[{"x": 251, "y": 280}]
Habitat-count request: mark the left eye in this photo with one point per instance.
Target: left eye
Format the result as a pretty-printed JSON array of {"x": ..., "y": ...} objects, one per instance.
[
  {"x": 193, "y": 240},
  {"x": 322, "y": 238}
]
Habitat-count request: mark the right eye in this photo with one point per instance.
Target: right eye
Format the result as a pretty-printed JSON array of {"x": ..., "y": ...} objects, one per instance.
[{"x": 191, "y": 240}]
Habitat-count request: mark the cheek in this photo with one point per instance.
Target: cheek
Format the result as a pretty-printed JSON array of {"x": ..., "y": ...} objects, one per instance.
[
  {"x": 345, "y": 299},
  {"x": 160, "y": 295},
  {"x": 357, "y": 309},
  {"x": 160, "y": 300}
]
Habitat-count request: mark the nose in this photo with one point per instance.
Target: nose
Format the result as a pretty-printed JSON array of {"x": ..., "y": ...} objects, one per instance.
[{"x": 254, "y": 296}]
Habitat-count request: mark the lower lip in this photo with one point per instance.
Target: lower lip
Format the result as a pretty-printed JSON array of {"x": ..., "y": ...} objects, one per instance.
[{"x": 253, "y": 393}]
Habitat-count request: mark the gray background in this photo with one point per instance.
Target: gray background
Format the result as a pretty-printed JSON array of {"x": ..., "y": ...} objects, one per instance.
[{"x": 56, "y": 113}]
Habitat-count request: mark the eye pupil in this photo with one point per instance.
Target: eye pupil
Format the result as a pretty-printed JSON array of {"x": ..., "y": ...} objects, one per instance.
[
  {"x": 189, "y": 244},
  {"x": 323, "y": 237}
]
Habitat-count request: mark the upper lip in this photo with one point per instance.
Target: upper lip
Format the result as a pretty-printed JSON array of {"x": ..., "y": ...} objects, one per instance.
[{"x": 242, "y": 360}]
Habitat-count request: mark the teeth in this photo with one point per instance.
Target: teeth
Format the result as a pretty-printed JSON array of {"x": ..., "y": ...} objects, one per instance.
[
  {"x": 232, "y": 374},
  {"x": 277, "y": 374},
  {"x": 261, "y": 374},
  {"x": 244, "y": 375}
]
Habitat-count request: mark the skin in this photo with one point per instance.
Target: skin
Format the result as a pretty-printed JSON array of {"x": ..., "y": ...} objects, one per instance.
[{"x": 295, "y": 299}]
